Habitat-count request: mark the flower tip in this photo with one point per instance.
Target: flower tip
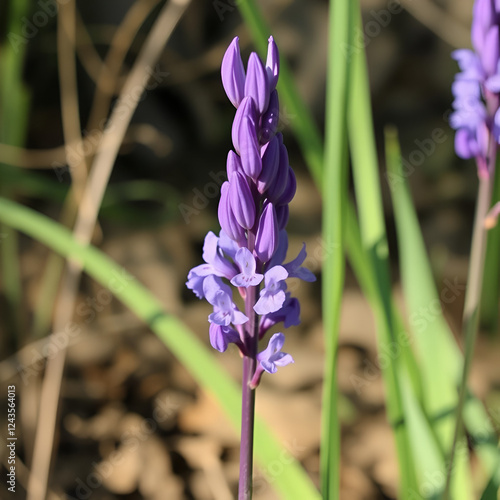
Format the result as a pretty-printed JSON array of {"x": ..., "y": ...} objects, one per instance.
[
  {"x": 266, "y": 240},
  {"x": 233, "y": 73},
  {"x": 256, "y": 83}
]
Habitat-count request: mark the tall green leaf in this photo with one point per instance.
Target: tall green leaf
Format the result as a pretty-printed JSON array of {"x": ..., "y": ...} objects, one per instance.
[
  {"x": 372, "y": 227},
  {"x": 334, "y": 202}
]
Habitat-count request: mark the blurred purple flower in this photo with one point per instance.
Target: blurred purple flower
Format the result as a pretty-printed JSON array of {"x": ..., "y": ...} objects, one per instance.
[{"x": 476, "y": 88}]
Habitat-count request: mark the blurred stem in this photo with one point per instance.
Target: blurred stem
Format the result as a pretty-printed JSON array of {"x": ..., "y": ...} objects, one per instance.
[
  {"x": 13, "y": 121},
  {"x": 473, "y": 297},
  {"x": 491, "y": 284},
  {"x": 105, "y": 89}
]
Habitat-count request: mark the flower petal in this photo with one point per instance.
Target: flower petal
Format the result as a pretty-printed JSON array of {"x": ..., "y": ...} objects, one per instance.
[
  {"x": 233, "y": 73},
  {"x": 256, "y": 83},
  {"x": 266, "y": 240}
]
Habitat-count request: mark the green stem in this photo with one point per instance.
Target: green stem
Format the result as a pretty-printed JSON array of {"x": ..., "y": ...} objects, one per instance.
[
  {"x": 491, "y": 280},
  {"x": 472, "y": 302}
]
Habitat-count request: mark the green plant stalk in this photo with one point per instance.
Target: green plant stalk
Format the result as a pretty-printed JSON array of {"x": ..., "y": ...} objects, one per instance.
[
  {"x": 432, "y": 338},
  {"x": 372, "y": 226},
  {"x": 491, "y": 282},
  {"x": 334, "y": 200},
  {"x": 293, "y": 481},
  {"x": 13, "y": 123},
  {"x": 472, "y": 301}
]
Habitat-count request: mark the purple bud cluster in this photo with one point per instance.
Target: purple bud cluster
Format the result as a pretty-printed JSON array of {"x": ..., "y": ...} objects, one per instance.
[
  {"x": 251, "y": 248},
  {"x": 476, "y": 88}
]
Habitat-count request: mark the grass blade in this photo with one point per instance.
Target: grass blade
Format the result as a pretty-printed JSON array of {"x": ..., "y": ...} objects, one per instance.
[
  {"x": 293, "y": 482},
  {"x": 372, "y": 229},
  {"x": 334, "y": 200}
]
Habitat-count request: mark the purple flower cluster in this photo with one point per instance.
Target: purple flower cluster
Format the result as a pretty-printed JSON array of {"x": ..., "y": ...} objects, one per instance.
[
  {"x": 251, "y": 248},
  {"x": 476, "y": 88}
]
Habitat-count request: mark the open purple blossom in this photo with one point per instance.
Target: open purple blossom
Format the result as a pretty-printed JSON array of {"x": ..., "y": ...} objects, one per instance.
[
  {"x": 219, "y": 295},
  {"x": 289, "y": 314},
  {"x": 215, "y": 264},
  {"x": 476, "y": 89},
  {"x": 222, "y": 336},
  {"x": 294, "y": 267},
  {"x": 272, "y": 296},
  {"x": 271, "y": 358},
  {"x": 248, "y": 277}
]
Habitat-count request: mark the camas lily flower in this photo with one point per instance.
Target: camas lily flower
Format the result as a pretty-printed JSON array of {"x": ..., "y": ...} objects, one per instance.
[
  {"x": 476, "y": 89},
  {"x": 271, "y": 357}
]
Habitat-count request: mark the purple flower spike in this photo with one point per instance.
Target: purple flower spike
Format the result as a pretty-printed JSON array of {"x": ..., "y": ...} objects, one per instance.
[
  {"x": 266, "y": 240},
  {"x": 222, "y": 336},
  {"x": 253, "y": 212},
  {"x": 256, "y": 83},
  {"x": 273, "y": 295},
  {"x": 241, "y": 200},
  {"x": 233, "y": 73},
  {"x": 272, "y": 63},
  {"x": 248, "y": 276},
  {"x": 270, "y": 164},
  {"x": 476, "y": 89},
  {"x": 251, "y": 160},
  {"x": 272, "y": 357}
]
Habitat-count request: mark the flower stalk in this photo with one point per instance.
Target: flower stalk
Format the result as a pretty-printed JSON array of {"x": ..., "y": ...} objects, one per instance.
[{"x": 477, "y": 120}]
